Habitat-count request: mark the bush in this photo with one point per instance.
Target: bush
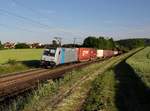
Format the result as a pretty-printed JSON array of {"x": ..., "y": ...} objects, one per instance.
[
  {"x": 11, "y": 61},
  {"x": 22, "y": 46}
]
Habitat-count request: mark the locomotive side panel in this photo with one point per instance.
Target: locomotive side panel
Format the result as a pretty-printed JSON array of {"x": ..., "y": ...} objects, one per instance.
[{"x": 70, "y": 55}]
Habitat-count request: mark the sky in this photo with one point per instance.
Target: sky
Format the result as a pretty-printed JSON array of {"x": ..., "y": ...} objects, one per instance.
[{"x": 42, "y": 20}]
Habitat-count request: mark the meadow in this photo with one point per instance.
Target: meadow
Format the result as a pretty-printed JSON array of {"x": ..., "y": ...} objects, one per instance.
[
  {"x": 140, "y": 62},
  {"x": 20, "y": 55},
  {"x": 14, "y": 60}
]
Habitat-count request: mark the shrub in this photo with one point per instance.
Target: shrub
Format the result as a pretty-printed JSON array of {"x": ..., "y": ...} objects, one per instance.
[
  {"x": 11, "y": 61},
  {"x": 21, "y": 46}
]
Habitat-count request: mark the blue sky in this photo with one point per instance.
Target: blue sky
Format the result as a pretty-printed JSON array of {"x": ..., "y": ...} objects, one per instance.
[{"x": 41, "y": 20}]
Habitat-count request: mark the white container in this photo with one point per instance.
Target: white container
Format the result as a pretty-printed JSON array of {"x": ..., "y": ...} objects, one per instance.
[
  {"x": 99, "y": 53},
  {"x": 115, "y": 52}
]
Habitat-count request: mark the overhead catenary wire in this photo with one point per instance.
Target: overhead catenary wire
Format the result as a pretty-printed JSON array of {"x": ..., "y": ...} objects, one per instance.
[
  {"x": 35, "y": 22},
  {"x": 22, "y": 29},
  {"x": 27, "y": 8},
  {"x": 24, "y": 18}
]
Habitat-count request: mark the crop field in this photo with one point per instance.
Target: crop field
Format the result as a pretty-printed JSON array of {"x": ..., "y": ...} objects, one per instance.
[
  {"x": 141, "y": 64},
  {"x": 20, "y": 55}
]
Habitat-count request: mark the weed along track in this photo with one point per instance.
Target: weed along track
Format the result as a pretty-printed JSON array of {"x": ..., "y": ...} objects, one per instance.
[{"x": 18, "y": 83}]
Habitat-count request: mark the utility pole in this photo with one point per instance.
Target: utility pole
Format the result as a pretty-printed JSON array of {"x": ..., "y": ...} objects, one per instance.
[{"x": 74, "y": 41}]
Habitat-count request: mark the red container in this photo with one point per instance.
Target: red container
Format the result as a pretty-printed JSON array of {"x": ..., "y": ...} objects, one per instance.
[
  {"x": 108, "y": 53},
  {"x": 84, "y": 54},
  {"x": 93, "y": 53}
]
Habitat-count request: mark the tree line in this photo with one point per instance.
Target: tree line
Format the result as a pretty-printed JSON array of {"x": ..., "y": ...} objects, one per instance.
[
  {"x": 133, "y": 43},
  {"x": 99, "y": 42},
  {"x": 1, "y": 45},
  {"x": 109, "y": 43}
]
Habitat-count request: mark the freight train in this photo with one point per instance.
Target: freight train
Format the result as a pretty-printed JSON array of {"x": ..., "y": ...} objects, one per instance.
[{"x": 56, "y": 56}]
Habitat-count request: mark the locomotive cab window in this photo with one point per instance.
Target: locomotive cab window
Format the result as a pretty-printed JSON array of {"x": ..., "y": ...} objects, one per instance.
[
  {"x": 46, "y": 52},
  {"x": 50, "y": 52}
]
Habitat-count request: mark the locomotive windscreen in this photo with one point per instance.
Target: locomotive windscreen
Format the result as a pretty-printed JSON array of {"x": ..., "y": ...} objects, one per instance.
[{"x": 50, "y": 52}]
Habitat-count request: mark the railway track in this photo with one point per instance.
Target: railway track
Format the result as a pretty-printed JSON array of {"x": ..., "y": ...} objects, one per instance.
[{"x": 21, "y": 82}]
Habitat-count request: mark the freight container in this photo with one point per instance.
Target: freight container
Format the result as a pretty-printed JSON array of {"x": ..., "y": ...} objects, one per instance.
[
  {"x": 108, "y": 53},
  {"x": 93, "y": 53},
  {"x": 84, "y": 54},
  {"x": 115, "y": 52},
  {"x": 120, "y": 52},
  {"x": 99, "y": 53}
]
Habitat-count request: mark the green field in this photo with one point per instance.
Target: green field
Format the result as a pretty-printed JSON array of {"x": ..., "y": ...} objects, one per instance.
[
  {"x": 20, "y": 55},
  {"x": 15, "y": 60},
  {"x": 140, "y": 62}
]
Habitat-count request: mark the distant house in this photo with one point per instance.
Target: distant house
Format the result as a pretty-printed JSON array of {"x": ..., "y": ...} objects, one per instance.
[
  {"x": 36, "y": 45},
  {"x": 9, "y": 45}
]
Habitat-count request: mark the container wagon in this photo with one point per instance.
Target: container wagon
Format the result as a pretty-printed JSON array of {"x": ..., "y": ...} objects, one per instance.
[
  {"x": 107, "y": 53},
  {"x": 100, "y": 53},
  {"x": 93, "y": 54},
  {"x": 115, "y": 52},
  {"x": 84, "y": 54}
]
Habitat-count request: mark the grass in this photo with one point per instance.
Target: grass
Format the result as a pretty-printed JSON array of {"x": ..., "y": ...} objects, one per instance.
[
  {"x": 119, "y": 89},
  {"x": 60, "y": 86},
  {"x": 15, "y": 60},
  {"x": 131, "y": 92},
  {"x": 42, "y": 99},
  {"x": 74, "y": 101},
  {"x": 102, "y": 94},
  {"x": 141, "y": 64},
  {"x": 20, "y": 55},
  {"x": 47, "y": 91},
  {"x": 9, "y": 68}
]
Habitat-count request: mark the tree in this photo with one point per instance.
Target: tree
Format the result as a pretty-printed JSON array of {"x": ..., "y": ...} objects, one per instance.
[
  {"x": 111, "y": 44},
  {"x": 131, "y": 43},
  {"x": 21, "y": 46},
  {"x": 99, "y": 43},
  {"x": 90, "y": 42},
  {"x": 1, "y": 45}
]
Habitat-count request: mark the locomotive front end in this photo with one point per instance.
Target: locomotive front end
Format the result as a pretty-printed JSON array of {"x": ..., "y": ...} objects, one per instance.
[{"x": 48, "y": 57}]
